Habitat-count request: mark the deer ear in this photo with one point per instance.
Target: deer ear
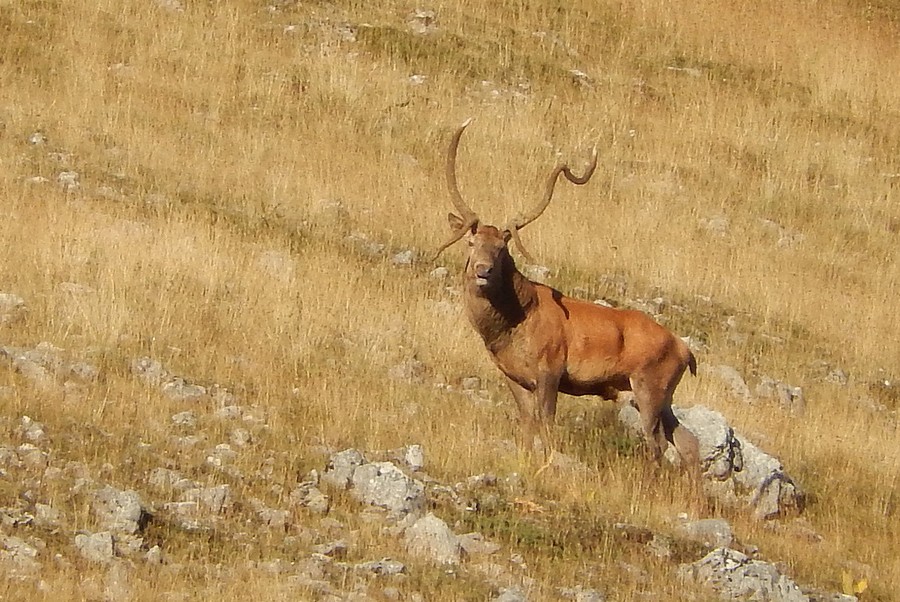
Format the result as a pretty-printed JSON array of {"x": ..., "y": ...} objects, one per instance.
[{"x": 455, "y": 222}]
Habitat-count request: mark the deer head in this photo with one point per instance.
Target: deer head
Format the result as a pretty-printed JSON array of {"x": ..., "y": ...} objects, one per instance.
[{"x": 488, "y": 245}]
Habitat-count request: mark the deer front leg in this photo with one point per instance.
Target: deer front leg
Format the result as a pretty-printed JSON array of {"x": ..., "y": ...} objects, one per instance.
[{"x": 529, "y": 416}]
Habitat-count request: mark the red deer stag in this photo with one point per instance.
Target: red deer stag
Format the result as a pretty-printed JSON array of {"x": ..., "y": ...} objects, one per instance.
[{"x": 546, "y": 343}]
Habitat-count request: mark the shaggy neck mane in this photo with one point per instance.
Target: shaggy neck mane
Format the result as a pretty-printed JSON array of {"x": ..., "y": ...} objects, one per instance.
[{"x": 496, "y": 312}]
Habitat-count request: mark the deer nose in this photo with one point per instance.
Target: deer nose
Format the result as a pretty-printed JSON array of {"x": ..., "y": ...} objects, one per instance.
[{"x": 483, "y": 270}]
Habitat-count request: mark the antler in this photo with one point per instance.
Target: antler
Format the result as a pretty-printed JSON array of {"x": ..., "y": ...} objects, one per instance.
[
  {"x": 521, "y": 221},
  {"x": 469, "y": 217}
]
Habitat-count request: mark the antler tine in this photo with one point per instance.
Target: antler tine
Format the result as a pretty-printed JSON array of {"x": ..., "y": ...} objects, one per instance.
[
  {"x": 520, "y": 222},
  {"x": 563, "y": 168},
  {"x": 469, "y": 217},
  {"x": 456, "y": 236},
  {"x": 466, "y": 213}
]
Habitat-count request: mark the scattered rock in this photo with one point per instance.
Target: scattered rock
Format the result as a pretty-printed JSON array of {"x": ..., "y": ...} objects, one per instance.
[
  {"x": 165, "y": 479},
  {"x": 216, "y": 499},
  {"x": 422, "y": 22},
  {"x": 474, "y": 544},
  {"x": 440, "y": 273},
  {"x": 431, "y": 538},
  {"x": 12, "y": 308},
  {"x": 536, "y": 273},
  {"x": 178, "y": 389},
  {"x": 17, "y": 554},
  {"x": 47, "y": 517},
  {"x": 713, "y": 532},
  {"x": 96, "y": 547},
  {"x": 788, "y": 397},
  {"x": 69, "y": 180},
  {"x": 384, "y": 485},
  {"x": 334, "y": 549},
  {"x": 341, "y": 466},
  {"x": 385, "y": 566},
  {"x": 717, "y": 225},
  {"x": 511, "y": 594},
  {"x": 772, "y": 491},
  {"x": 735, "y": 576},
  {"x": 720, "y": 449},
  {"x": 411, "y": 370},
  {"x": 150, "y": 371},
  {"x": 185, "y": 419},
  {"x": 412, "y": 456},
  {"x": 364, "y": 244},
  {"x": 309, "y": 496},
  {"x": 119, "y": 511},
  {"x": 31, "y": 430},
  {"x": 404, "y": 258},
  {"x": 736, "y": 470},
  {"x": 580, "y": 594},
  {"x": 732, "y": 379}
]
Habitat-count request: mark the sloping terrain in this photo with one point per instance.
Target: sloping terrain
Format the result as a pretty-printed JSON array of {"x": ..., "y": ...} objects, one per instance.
[{"x": 217, "y": 224}]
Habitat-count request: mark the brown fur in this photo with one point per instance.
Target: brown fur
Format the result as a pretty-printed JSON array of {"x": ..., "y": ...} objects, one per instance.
[{"x": 546, "y": 343}]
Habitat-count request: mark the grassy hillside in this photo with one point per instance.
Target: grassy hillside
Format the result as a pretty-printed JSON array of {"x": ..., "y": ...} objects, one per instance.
[{"x": 222, "y": 187}]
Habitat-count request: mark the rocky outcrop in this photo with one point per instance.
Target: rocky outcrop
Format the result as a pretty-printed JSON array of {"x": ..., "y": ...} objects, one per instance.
[
  {"x": 736, "y": 576},
  {"x": 736, "y": 470}
]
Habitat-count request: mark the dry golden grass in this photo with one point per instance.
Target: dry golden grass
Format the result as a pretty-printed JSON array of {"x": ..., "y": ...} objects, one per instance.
[{"x": 211, "y": 141}]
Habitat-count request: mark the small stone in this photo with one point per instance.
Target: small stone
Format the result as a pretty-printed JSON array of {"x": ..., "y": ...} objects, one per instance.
[
  {"x": 154, "y": 555},
  {"x": 178, "y": 389},
  {"x": 474, "y": 544},
  {"x": 309, "y": 496},
  {"x": 536, "y": 273},
  {"x": 713, "y": 532},
  {"x": 341, "y": 467},
  {"x": 580, "y": 594},
  {"x": 47, "y": 517},
  {"x": 414, "y": 457},
  {"x": 149, "y": 370},
  {"x": 69, "y": 180},
  {"x": 230, "y": 412},
  {"x": 217, "y": 499},
  {"x": 430, "y": 537},
  {"x": 403, "y": 258},
  {"x": 384, "y": 485},
  {"x": 240, "y": 437},
  {"x": 12, "y": 307},
  {"x": 422, "y": 22},
  {"x": 411, "y": 370},
  {"x": 185, "y": 419},
  {"x": 96, "y": 547},
  {"x": 334, "y": 549},
  {"x": 439, "y": 273},
  {"x": 470, "y": 383},
  {"x": 735, "y": 576},
  {"x": 385, "y": 566},
  {"x": 732, "y": 379},
  {"x": 511, "y": 594},
  {"x": 119, "y": 511}
]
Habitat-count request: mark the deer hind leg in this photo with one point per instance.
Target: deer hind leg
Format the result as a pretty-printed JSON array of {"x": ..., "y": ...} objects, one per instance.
[
  {"x": 648, "y": 399},
  {"x": 684, "y": 440}
]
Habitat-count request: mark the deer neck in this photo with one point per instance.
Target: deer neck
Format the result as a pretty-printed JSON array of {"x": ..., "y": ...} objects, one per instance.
[{"x": 495, "y": 313}]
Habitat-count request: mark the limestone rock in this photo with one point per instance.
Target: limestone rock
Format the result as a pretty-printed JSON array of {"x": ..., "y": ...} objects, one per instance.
[
  {"x": 119, "y": 511},
  {"x": 735, "y": 576},
  {"x": 384, "y": 485},
  {"x": 431, "y": 538}
]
